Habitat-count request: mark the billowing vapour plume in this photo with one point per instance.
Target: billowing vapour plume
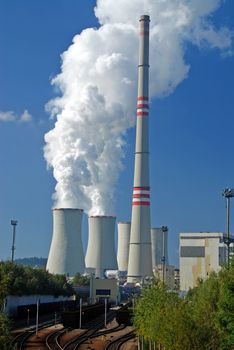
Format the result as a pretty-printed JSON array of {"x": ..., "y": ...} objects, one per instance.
[{"x": 98, "y": 90}]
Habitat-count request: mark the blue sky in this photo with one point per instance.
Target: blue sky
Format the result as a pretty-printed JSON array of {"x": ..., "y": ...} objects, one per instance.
[{"x": 191, "y": 130}]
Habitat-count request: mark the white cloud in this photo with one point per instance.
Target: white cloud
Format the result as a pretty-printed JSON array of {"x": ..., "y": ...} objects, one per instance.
[
  {"x": 25, "y": 117},
  {"x": 10, "y": 116},
  {"x": 98, "y": 82}
]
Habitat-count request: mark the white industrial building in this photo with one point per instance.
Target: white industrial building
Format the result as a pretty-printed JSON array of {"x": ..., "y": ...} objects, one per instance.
[
  {"x": 104, "y": 289},
  {"x": 200, "y": 254},
  {"x": 66, "y": 251}
]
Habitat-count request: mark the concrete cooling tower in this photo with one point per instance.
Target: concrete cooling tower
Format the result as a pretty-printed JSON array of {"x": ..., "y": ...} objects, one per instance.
[
  {"x": 66, "y": 251},
  {"x": 159, "y": 239},
  {"x": 101, "y": 255},
  {"x": 123, "y": 245}
]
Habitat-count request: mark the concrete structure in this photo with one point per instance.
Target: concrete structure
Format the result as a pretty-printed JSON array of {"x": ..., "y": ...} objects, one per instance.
[
  {"x": 167, "y": 276},
  {"x": 123, "y": 245},
  {"x": 66, "y": 251},
  {"x": 159, "y": 241},
  {"x": 101, "y": 254},
  {"x": 140, "y": 255},
  {"x": 200, "y": 254},
  {"x": 104, "y": 288}
]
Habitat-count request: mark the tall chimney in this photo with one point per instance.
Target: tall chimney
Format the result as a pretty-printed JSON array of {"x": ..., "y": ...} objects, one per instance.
[
  {"x": 140, "y": 255},
  {"x": 66, "y": 251}
]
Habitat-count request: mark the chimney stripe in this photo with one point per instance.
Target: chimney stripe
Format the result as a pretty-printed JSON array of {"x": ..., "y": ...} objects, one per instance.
[
  {"x": 142, "y": 114},
  {"x": 140, "y": 195},
  {"x": 143, "y": 98},
  {"x": 141, "y": 188},
  {"x": 140, "y": 203}
]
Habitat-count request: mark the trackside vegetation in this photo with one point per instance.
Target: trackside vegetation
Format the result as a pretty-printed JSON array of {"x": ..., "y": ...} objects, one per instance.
[
  {"x": 20, "y": 280},
  {"x": 204, "y": 320},
  {"x": 24, "y": 280}
]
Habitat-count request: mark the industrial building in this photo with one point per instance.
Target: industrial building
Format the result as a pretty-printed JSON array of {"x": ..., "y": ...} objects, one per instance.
[
  {"x": 66, "y": 251},
  {"x": 200, "y": 254},
  {"x": 104, "y": 289}
]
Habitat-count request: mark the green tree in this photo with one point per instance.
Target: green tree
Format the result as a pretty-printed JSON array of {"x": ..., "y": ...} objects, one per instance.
[
  {"x": 225, "y": 313},
  {"x": 5, "y": 337},
  {"x": 203, "y": 309},
  {"x": 80, "y": 280},
  {"x": 19, "y": 280},
  {"x": 164, "y": 318}
]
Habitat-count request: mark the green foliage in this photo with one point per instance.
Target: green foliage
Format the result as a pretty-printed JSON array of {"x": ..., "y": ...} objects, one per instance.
[
  {"x": 80, "y": 280},
  {"x": 204, "y": 320},
  {"x": 203, "y": 308},
  {"x": 225, "y": 304},
  {"x": 19, "y": 280},
  {"x": 5, "y": 338},
  {"x": 163, "y": 317}
]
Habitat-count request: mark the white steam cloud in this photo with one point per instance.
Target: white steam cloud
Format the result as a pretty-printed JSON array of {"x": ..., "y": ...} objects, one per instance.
[{"x": 98, "y": 90}]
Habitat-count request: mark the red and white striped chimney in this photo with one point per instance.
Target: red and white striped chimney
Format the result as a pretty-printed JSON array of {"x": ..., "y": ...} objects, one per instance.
[{"x": 140, "y": 255}]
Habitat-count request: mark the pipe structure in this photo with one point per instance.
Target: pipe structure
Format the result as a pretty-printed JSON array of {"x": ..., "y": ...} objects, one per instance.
[
  {"x": 66, "y": 251},
  {"x": 123, "y": 245},
  {"x": 159, "y": 240},
  {"x": 101, "y": 255},
  {"x": 140, "y": 255}
]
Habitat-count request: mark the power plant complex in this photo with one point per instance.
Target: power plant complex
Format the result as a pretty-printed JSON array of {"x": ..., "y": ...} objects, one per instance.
[
  {"x": 142, "y": 251},
  {"x": 135, "y": 253}
]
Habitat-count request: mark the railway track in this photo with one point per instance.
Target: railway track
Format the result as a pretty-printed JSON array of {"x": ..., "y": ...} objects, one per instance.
[
  {"x": 53, "y": 339},
  {"x": 20, "y": 339},
  {"x": 91, "y": 332},
  {"x": 117, "y": 343}
]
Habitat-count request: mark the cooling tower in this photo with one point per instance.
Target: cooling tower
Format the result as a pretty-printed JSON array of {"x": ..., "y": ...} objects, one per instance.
[
  {"x": 140, "y": 255},
  {"x": 123, "y": 245},
  {"x": 101, "y": 255},
  {"x": 159, "y": 240},
  {"x": 66, "y": 251}
]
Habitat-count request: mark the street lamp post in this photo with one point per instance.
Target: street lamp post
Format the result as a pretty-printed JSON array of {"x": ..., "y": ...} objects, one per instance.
[
  {"x": 13, "y": 223},
  {"x": 164, "y": 230},
  {"x": 228, "y": 193}
]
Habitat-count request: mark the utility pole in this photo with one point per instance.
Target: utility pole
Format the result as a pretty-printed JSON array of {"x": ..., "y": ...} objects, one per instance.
[
  {"x": 164, "y": 230},
  {"x": 228, "y": 193},
  {"x": 80, "y": 321},
  {"x": 105, "y": 320},
  {"x": 13, "y": 223}
]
